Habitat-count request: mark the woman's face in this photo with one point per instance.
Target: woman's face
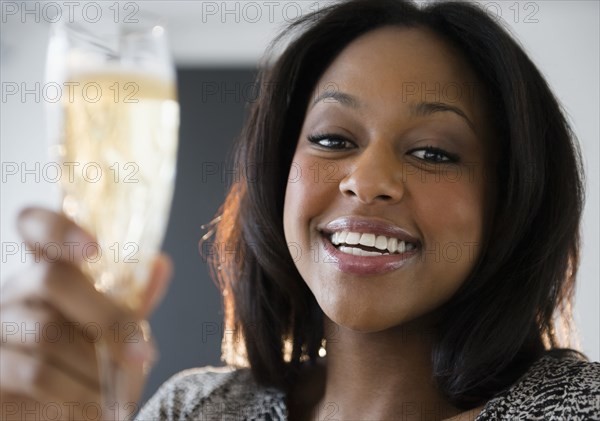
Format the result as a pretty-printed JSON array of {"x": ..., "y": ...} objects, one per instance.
[{"x": 362, "y": 172}]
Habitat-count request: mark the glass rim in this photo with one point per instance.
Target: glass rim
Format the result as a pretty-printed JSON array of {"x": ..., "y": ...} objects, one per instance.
[{"x": 146, "y": 23}]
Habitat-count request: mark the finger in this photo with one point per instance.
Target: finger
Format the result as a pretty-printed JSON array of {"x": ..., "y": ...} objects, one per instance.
[
  {"x": 63, "y": 287},
  {"x": 41, "y": 329},
  {"x": 157, "y": 285},
  {"x": 27, "y": 374},
  {"x": 53, "y": 237}
]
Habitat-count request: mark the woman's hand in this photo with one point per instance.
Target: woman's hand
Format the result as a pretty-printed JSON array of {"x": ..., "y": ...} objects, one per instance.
[{"x": 51, "y": 318}]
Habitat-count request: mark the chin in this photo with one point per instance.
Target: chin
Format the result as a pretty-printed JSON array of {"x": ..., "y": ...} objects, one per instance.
[{"x": 358, "y": 318}]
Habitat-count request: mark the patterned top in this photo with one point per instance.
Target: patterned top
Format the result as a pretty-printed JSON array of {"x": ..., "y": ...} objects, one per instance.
[{"x": 552, "y": 389}]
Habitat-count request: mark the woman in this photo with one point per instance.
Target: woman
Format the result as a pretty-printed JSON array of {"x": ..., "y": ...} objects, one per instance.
[{"x": 416, "y": 216}]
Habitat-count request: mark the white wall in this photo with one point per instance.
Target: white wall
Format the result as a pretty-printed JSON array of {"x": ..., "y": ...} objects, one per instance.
[{"x": 562, "y": 37}]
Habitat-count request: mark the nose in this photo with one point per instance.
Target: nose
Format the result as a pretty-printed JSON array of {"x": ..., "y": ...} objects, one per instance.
[{"x": 376, "y": 176}]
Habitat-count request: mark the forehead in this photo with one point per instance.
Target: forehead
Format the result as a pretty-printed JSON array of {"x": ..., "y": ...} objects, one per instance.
[{"x": 394, "y": 67}]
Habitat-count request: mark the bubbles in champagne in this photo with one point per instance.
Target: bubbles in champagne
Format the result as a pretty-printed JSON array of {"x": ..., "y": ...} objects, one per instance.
[{"x": 120, "y": 146}]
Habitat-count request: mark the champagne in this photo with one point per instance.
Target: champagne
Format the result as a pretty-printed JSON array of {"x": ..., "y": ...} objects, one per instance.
[{"x": 119, "y": 152}]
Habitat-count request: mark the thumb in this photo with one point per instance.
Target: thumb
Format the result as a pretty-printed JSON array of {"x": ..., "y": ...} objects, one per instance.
[{"x": 160, "y": 277}]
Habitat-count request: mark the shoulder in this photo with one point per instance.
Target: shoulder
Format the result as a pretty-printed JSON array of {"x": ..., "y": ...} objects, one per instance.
[
  {"x": 218, "y": 391},
  {"x": 554, "y": 388}
]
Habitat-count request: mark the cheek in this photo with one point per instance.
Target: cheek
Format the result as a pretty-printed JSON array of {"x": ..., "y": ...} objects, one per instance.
[
  {"x": 456, "y": 204},
  {"x": 307, "y": 195},
  {"x": 451, "y": 216}
]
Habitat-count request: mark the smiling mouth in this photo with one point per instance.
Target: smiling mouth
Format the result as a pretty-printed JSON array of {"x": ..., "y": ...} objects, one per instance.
[{"x": 368, "y": 244}]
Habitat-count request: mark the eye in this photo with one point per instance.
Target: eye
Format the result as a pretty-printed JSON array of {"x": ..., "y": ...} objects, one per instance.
[
  {"x": 433, "y": 154},
  {"x": 330, "y": 141}
]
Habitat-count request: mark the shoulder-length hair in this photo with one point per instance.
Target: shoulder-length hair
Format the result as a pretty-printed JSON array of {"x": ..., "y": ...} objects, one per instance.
[{"x": 503, "y": 316}]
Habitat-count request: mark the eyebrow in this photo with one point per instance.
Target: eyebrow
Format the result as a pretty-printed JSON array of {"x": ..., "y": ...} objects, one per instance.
[
  {"x": 420, "y": 109},
  {"x": 423, "y": 109},
  {"x": 341, "y": 97}
]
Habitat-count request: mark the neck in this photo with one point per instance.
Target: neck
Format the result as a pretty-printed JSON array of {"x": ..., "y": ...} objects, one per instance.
[{"x": 380, "y": 375}]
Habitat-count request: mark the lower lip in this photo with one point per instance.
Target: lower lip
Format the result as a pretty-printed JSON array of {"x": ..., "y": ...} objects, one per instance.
[{"x": 366, "y": 265}]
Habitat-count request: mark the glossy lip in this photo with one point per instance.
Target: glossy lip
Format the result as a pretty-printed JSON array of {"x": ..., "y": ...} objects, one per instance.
[{"x": 366, "y": 265}]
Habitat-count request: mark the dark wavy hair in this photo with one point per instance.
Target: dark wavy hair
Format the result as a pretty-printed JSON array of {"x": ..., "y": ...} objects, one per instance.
[{"x": 504, "y": 316}]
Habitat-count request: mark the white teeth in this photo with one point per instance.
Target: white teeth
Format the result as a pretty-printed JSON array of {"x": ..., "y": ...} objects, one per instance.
[
  {"x": 334, "y": 238},
  {"x": 371, "y": 253},
  {"x": 358, "y": 252},
  {"x": 381, "y": 242},
  {"x": 352, "y": 238},
  {"x": 367, "y": 240},
  {"x": 392, "y": 245},
  {"x": 401, "y": 247}
]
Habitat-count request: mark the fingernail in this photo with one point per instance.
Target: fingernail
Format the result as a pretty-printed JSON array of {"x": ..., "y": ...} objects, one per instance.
[
  {"x": 30, "y": 227},
  {"x": 85, "y": 246},
  {"x": 140, "y": 351}
]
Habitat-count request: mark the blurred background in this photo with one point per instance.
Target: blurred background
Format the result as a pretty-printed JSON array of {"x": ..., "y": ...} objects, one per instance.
[{"x": 216, "y": 46}]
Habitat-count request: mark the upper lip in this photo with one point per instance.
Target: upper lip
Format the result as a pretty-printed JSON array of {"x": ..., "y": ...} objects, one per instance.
[{"x": 368, "y": 225}]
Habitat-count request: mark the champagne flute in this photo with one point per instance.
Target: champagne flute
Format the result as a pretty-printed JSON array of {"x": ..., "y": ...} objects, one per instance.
[{"x": 115, "y": 131}]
